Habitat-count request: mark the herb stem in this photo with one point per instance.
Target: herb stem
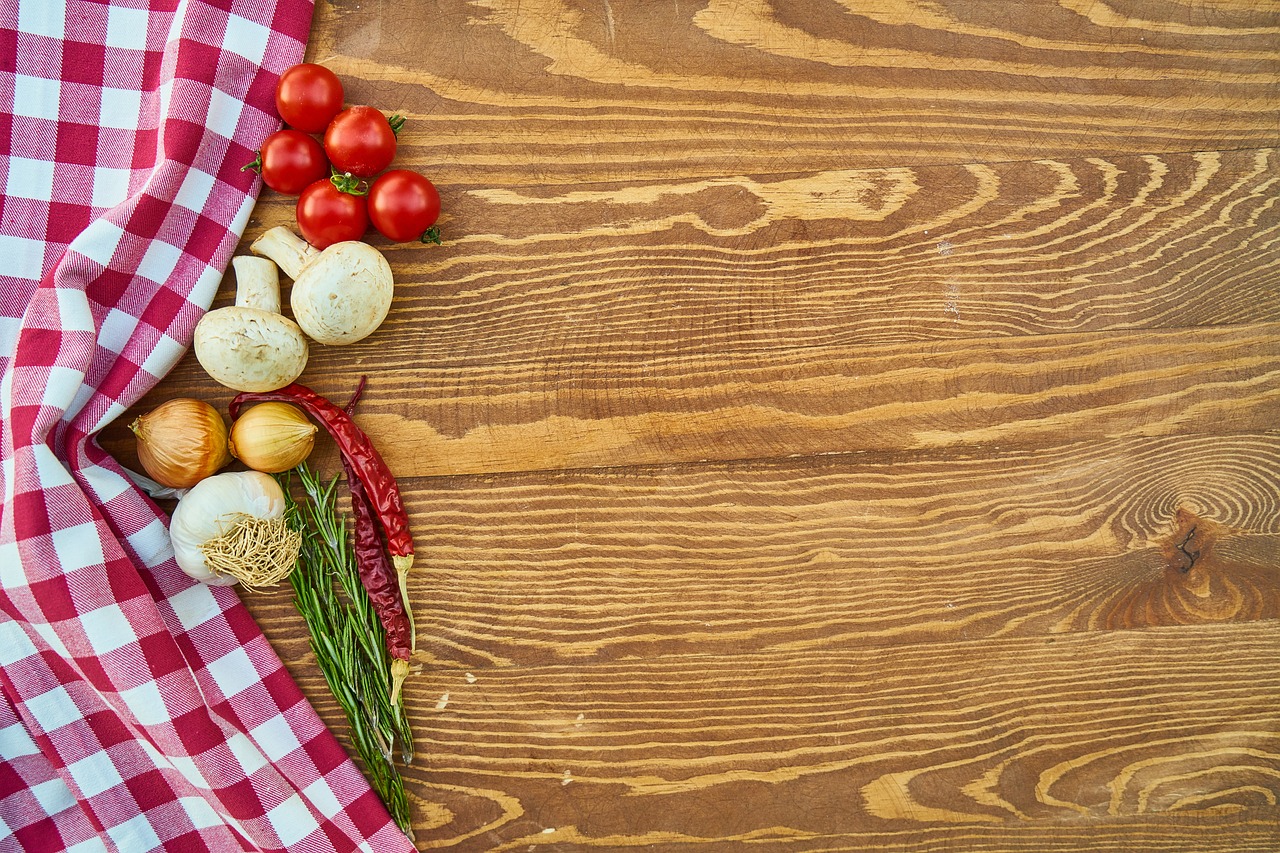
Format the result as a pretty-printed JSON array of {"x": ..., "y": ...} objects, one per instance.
[{"x": 346, "y": 637}]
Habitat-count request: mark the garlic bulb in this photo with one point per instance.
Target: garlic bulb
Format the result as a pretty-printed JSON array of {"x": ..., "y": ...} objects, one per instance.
[
  {"x": 181, "y": 442},
  {"x": 272, "y": 437},
  {"x": 231, "y": 528}
]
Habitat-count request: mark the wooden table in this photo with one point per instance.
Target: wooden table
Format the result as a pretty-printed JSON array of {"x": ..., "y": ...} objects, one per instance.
[{"x": 843, "y": 425}]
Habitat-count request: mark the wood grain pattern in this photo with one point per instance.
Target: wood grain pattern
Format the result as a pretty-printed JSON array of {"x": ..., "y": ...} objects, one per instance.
[
  {"x": 513, "y": 350},
  {"x": 970, "y": 393},
  {"x": 845, "y": 258},
  {"x": 829, "y": 425},
  {"x": 1090, "y": 741},
  {"x": 536, "y": 92},
  {"x": 810, "y": 554}
]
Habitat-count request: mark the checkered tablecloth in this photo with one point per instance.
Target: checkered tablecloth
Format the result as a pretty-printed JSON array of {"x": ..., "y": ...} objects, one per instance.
[{"x": 139, "y": 710}]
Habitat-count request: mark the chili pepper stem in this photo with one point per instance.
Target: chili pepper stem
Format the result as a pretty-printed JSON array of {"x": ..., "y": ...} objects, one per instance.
[
  {"x": 399, "y": 672},
  {"x": 402, "y": 565}
]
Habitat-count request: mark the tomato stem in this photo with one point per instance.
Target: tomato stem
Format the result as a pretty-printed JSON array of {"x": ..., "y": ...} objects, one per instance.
[
  {"x": 396, "y": 122},
  {"x": 348, "y": 183},
  {"x": 255, "y": 166},
  {"x": 431, "y": 235}
]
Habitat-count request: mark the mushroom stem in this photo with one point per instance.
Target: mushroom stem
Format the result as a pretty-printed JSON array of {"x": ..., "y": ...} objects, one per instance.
[
  {"x": 340, "y": 295},
  {"x": 287, "y": 249},
  {"x": 257, "y": 283},
  {"x": 251, "y": 346}
]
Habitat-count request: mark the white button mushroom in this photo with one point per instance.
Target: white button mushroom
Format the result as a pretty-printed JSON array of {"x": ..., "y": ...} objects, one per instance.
[
  {"x": 340, "y": 295},
  {"x": 251, "y": 346}
]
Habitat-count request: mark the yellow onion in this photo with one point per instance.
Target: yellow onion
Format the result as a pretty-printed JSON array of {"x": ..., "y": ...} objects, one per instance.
[
  {"x": 181, "y": 442},
  {"x": 272, "y": 437}
]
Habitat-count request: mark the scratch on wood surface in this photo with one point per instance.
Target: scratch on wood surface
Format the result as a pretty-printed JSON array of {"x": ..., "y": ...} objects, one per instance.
[{"x": 609, "y": 29}]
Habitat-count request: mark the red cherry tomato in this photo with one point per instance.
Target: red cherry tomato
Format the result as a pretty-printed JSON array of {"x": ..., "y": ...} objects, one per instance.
[
  {"x": 327, "y": 215},
  {"x": 361, "y": 140},
  {"x": 290, "y": 161},
  {"x": 403, "y": 206},
  {"x": 308, "y": 96}
]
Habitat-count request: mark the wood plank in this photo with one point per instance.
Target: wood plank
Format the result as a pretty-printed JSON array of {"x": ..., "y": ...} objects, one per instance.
[
  {"x": 675, "y": 266},
  {"x": 1154, "y": 740},
  {"x": 1028, "y": 391},
  {"x": 486, "y": 364},
  {"x": 1038, "y": 391},
  {"x": 529, "y": 92},
  {"x": 806, "y": 554}
]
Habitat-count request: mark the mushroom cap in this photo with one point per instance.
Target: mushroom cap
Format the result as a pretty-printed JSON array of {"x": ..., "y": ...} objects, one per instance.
[
  {"x": 247, "y": 349},
  {"x": 343, "y": 294}
]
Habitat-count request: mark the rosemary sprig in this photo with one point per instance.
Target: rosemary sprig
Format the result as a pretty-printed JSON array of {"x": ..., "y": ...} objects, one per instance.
[{"x": 347, "y": 637}]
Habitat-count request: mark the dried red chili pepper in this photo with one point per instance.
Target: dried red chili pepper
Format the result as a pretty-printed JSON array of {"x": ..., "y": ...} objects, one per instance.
[
  {"x": 379, "y": 579},
  {"x": 377, "y": 573},
  {"x": 380, "y": 488}
]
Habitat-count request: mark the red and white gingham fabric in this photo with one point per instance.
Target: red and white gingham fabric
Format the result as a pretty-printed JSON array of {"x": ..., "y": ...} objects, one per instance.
[{"x": 139, "y": 710}]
